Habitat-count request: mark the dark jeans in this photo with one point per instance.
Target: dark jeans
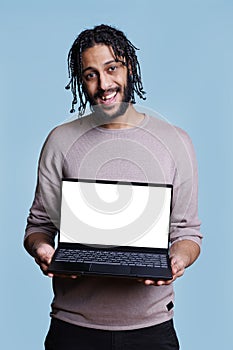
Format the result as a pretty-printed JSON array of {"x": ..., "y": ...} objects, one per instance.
[{"x": 65, "y": 336}]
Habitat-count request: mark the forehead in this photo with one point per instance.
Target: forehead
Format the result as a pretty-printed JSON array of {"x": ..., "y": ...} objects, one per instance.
[{"x": 97, "y": 55}]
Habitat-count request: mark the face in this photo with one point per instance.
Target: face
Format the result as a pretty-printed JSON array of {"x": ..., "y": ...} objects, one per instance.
[{"x": 105, "y": 81}]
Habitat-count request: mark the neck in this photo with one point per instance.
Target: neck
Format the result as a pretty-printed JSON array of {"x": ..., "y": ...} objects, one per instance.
[{"x": 129, "y": 119}]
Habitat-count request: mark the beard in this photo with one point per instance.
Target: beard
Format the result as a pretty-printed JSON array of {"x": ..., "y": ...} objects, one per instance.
[{"x": 104, "y": 114}]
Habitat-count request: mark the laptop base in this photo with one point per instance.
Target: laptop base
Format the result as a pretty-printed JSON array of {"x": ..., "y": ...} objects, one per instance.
[{"x": 111, "y": 269}]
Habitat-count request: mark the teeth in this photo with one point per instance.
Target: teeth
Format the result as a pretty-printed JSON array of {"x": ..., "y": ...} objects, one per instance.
[{"x": 108, "y": 96}]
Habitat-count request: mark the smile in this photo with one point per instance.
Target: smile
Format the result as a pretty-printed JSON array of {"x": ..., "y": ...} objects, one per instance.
[{"x": 108, "y": 97}]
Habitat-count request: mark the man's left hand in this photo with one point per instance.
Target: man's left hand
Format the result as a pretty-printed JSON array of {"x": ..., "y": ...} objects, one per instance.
[{"x": 182, "y": 254}]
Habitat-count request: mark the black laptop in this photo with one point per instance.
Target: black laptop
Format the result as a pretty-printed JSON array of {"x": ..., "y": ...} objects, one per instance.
[{"x": 114, "y": 228}]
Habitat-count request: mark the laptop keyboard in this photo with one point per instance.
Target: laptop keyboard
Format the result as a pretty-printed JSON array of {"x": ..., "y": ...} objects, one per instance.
[{"x": 112, "y": 257}]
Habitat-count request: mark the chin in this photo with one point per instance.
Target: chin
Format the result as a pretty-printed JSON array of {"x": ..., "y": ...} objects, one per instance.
[{"x": 111, "y": 112}]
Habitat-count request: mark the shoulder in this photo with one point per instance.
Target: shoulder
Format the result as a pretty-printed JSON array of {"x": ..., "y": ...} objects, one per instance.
[
  {"x": 164, "y": 130},
  {"x": 161, "y": 125},
  {"x": 64, "y": 135},
  {"x": 67, "y": 129},
  {"x": 175, "y": 139}
]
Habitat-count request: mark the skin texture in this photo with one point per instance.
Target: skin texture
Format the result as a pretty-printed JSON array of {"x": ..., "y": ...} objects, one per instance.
[{"x": 105, "y": 82}]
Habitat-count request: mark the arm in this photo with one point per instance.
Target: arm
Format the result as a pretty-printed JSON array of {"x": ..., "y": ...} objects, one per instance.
[
  {"x": 43, "y": 219},
  {"x": 185, "y": 233}
]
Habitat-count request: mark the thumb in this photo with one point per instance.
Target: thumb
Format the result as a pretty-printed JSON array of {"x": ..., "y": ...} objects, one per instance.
[{"x": 44, "y": 253}]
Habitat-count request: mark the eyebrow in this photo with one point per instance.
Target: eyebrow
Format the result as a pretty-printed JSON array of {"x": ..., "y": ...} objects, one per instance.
[{"x": 105, "y": 64}]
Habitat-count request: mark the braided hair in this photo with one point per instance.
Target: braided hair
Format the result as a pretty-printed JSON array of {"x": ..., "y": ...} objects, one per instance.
[{"x": 122, "y": 47}]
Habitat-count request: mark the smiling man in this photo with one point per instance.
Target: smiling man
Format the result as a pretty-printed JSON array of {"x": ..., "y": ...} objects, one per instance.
[
  {"x": 107, "y": 81},
  {"x": 115, "y": 142}
]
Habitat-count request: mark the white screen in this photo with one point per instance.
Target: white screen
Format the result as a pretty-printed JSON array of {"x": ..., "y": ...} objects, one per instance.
[{"x": 115, "y": 214}]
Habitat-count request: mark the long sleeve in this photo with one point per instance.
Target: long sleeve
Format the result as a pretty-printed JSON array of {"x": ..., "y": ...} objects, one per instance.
[{"x": 44, "y": 212}]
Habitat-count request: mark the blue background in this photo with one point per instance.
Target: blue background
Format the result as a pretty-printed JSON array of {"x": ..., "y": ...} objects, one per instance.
[{"x": 186, "y": 56}]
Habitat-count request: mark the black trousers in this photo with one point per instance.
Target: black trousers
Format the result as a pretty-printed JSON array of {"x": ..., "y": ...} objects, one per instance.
[{"x": 65, "y": 336}]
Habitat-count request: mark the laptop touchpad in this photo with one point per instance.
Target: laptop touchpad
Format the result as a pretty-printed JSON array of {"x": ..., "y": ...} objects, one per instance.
[{"x": 110, "y": 269}]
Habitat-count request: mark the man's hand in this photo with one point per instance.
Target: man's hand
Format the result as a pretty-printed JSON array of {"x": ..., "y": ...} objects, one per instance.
[
  {"x": 40, "y": 246},
  {"x": 43, "y": 254},
  {"x": 182, "y": 254},
  {"x": 178, "y": 268}
]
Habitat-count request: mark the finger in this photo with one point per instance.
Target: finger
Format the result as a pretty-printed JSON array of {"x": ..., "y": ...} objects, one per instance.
[
  {"x": 178, "y": 268},
  {"x": 66, "y": 276},
  {"x": 175, "y": 269},
  {"x": 50, "y": 274},
  {"x": 44, "y": 268},
  {"x": 45, "y": 253},
  {"x": 149, "y": 282},
  {"x": 146, "y": 282},
  {"x": 45, "y": 258},
  {"x": 41, "y": 263},
  {"x": 178, "y": 271},
  {"x": 165, "y": 283}
]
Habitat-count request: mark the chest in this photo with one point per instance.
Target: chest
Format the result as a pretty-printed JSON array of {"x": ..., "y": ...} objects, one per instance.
[{"x": 126, "y": 157}]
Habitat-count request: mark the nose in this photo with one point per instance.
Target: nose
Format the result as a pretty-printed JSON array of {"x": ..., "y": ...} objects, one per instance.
[{"x": 104, "y": 81}]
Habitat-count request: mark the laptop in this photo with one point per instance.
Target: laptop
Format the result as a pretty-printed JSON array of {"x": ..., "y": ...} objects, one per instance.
[{"x": 114, "y": 228}]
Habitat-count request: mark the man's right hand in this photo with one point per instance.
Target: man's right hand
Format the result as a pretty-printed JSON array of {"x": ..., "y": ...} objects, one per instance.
[
  {"x": 40, "y": 246},
  {"x": 43, "y": 254}
]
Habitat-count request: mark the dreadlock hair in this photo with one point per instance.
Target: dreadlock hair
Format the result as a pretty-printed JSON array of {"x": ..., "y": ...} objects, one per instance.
[{"x": 122, "y": 47}]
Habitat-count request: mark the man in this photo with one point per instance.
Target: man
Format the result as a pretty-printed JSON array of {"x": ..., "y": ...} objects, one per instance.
[{"x": 114, "y": 142}]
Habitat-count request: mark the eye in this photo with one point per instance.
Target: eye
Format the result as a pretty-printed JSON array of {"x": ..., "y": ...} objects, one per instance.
[
  {"x": 112, "y": 68},
  {"x": 90, "y": 76}
]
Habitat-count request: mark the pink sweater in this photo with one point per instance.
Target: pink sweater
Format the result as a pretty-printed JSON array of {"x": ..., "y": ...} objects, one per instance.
[{"x": 154, "y": 151}]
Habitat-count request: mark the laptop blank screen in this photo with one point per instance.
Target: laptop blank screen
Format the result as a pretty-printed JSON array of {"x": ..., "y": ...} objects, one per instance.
[{"x": 115, "y": 213}]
